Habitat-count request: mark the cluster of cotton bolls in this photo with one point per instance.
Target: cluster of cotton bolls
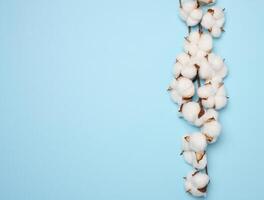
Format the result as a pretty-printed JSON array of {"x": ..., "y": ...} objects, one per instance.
[{"x": 198, "y": 87}]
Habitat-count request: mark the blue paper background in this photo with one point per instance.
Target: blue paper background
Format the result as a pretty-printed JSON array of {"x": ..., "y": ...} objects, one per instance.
[{"x": 84, "y": 109}]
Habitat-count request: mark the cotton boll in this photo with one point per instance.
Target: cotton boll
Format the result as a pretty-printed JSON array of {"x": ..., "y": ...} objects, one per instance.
[
  {"x": 220, "y": 23},
  {"x": 208, "y": 115},
  {"x": 220, "y": 102},
  {"x": 195, "y": 179},
  {"x": 198, "y": 44},
  {"x": 189, "y": 71},
  {"x": 205, "y": 70},
  {"x": 216, "y": 32},
  {"x": 183, "y": 14},
  {"x": 218, "y": 13},
  {"x": 185, "y": 87},
  {"x": 196, "y": 14},
  {"x": 188, "y": 186},
  {"x": 211, "y": 113},
  {"x": 189, "y": 6},
  {"x": 200, "y": 163},
  {"x": 197, "y": 142},
  {"x": 175, "y": 97},
  {"x": 173, "y": 84},
  {"x": 200, "y": 180},
  {"x": 213, "y": 94},
  {"x": 189, "y": 156},
  {"x": 205, "y": 91},
  {"x": 206, "y": 42},
  {"x": 191, "y": 13},
  {"x": 214, "y": 21},
  {"x": 208, "y": 21},
  {"x": 190, "y": 111},
  {"x": 215, "y": 61},
  {"x": 177, "y": 67},
  {"x": 194, "y": 37},
  {"x": 211, "y": 130},
  {"x": 209, "y": 102},
  {"x": 185, "y": 143},
  {"x": 222, "y": 73},
  {"x": 184, "y": 67},
  {"x": 191, "y": 22},
  {"x": 212, "y": 67}
]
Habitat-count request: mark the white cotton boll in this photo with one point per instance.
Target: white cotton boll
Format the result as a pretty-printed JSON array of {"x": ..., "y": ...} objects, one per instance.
[
  {"x": 189, "y": 71},
  {"x": 200, "y": 180},
  {"x": 196, "y": 183},
  {"x": 221, "y": 91},
  {"x": 190, "y": 13},
  {"x": 208, "y": 21},
  {"x": 183, "y": 14},
  {"x": 191, "y": 22},
  {"x": 198, "y": 44},
  {"x": 188, "y": 6},
  {"x": 201, "y": 164},
  {"x": 222, "y": 73},
  {"x": 185, "y": 143},
  {"x": 206, "y": 42},
  {"x": 212, "y": 113},
  {"x": 209, "y": 102},
  {"x": 197, "y": 142},
  {"x": 190, "y": 48},
  {"x": 216, "y": 31},
  {"x": 188, "y": 185},
  {"x": 173, "y": 84},
  {"x": 218, "y": 13},
  {"x": 211, "y": 129},
  {"x": 220, "y": 23},
  {"x": 194, "y": 37},
  {"x": 205, "y": 70},
  {"x": 214, "y": 21},
  {"x": 177, "y": 67},
  {"x": 220, "y": 102},
  {"x": 216, "y": 61},
  {"x": 209, "y": 114},
  {"x": 189, "y": 156},
  {"x": 185, "y": 87},
  {"x": 190, "y": 111},
  {"x": 205, "y": 91},
  {"x": 196, "y": 14},
  {"x": 183, "y": 58},
  {"x": 175, "y": 97}
]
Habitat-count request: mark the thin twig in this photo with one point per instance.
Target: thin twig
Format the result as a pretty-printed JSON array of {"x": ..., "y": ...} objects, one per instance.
[{"x": 180, "y": 2}]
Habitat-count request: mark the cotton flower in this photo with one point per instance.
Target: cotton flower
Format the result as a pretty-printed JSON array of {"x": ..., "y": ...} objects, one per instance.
[
  {"x": 196, "y": 183},
  {"x": 212, "y": 67},
  {"x": 211, "y": 129},
  {"x": 214, "y": 21},
  {"x": 191, "y": 13},
  {"x": 198, "y": 44},
  {"x": 206, "y": 1},
  {"x": 182, "y": 90},
  {"x": 184, "y": 66},
  {"x": 213, "y": 94}
]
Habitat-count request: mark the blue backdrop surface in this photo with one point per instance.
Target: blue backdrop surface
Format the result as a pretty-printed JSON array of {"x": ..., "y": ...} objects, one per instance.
[{"x": 84, "y": 109}]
